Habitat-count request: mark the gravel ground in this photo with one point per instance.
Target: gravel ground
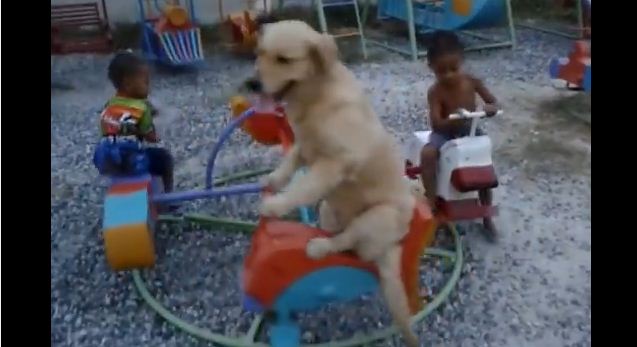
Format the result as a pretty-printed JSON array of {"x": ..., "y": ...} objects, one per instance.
[{"x": 532, "y": 289}]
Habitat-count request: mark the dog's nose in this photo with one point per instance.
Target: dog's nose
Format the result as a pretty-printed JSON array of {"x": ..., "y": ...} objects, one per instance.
[{"x": 254, "y": 85}]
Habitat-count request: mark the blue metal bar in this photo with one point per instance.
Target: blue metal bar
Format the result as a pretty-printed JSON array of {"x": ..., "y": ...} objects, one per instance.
[
  {"x": 207, "y": 193},
  {"x": 145, "y": 31},
  {"x": 225, "y": 134},
  {"x": 142, "y": 16},
  {"x": 192, "y": 11}
]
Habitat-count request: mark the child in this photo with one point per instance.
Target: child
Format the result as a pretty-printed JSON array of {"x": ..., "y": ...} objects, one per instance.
[
  {"x": 453, "y": 90},
  {"x": 128, "y": 115}
]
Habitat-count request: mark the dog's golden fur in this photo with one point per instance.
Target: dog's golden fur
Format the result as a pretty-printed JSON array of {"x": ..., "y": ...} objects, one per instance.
[{"x": 352, "y": 161}]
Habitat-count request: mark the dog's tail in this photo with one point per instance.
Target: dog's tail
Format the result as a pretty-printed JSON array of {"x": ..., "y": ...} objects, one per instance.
[{"x": 389, "y": 266}]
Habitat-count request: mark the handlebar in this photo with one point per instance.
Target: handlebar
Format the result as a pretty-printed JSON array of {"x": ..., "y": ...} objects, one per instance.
[{"x": 464, "y": 114}]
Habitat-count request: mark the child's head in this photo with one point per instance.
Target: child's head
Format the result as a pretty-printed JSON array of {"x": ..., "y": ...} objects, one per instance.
[
  {"x": 445, "y": 55},
  {"x": 130, "y": 75}
]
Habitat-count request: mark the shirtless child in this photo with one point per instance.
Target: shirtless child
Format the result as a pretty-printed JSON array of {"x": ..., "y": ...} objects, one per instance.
[{"x": 454, "y": 89}]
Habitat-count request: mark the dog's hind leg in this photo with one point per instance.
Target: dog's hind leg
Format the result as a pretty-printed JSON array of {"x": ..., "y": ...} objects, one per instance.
[
  {"x": 375, "y": 235},
  {"x": 321, "y": 246},
  {"x": 370, "y": 233}
]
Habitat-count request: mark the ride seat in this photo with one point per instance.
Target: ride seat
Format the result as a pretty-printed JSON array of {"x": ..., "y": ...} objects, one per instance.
[{"x": 469, "y": 179}]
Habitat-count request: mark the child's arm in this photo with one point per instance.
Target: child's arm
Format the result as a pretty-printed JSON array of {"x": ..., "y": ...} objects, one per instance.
[
  {"x": 491, "y": 103},
  {"x": 438, "y": 123},
  {"x": 147, "y": 128}
]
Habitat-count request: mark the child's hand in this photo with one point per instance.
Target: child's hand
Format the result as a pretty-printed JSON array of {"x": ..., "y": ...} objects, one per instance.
[
  {"x": 151, "y": 137},
  {"x": 153, "y": 110},
  {"x": 490, "y": 110}
]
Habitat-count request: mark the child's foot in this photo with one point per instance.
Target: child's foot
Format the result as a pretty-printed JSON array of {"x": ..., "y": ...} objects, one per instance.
[{"x": 489, "y": 230}]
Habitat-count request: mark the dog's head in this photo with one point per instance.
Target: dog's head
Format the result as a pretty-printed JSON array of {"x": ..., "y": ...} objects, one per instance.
[{"x": 289, "y": 53}]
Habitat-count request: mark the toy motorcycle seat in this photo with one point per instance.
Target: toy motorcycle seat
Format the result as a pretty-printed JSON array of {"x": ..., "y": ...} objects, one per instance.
[{"x": 469, "y": 179}]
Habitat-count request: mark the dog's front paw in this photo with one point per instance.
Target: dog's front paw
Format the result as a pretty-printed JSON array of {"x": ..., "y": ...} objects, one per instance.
[
  {"x": 274, "y": 181},
  {"x": 318, "y": 248},
  {"x": 274, "y": 206}
]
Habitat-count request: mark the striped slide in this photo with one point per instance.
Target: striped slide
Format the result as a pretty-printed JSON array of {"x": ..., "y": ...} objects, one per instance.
[{"x": 182, "y": 47}]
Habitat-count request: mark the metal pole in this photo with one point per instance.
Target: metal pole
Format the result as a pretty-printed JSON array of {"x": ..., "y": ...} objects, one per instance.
[
  {"x": 510, "y": 23},
  {"x": 478, "y": 35},
  {"x": 321, "y": 15},
  {"x": 365, "y": 13},
  {"x": 208, "y": 193},
  {"x": 412, "y": 30},
  {"x": 220, "y": 10},
  {"x": 390, "y": 47},
  {"x": 192, "y": 11},
  {"x": 223, "y": 137},
  {"x": 142, "y": 14},
  {"x": 489, "y": 46},
  {"x": 549, "y": 31},
  {"x": 580, "y": 24},
  {"x": 360, "y": 29},
  {"x": 580, "y": 18},
  {"x": 104, "y": 12}
]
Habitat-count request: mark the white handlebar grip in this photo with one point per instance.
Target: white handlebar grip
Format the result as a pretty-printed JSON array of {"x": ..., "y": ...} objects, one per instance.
[{"x": 464, "y": 114}]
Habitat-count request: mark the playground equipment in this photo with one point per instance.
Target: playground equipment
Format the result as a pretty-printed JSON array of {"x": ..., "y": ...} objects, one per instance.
[
  {"x": 586, "y": 18},
  {"x": 171, "y": 35},
  {"x": 463, "y": 16},
  {"x": 243, "y": 26},
  {"x": 579, "y": 31},
  {"x": 128, "y": 223},
  {"x": 278, "y": 276},
  {"x": 321, "y": 5},
  {"x": 465, "y": 167},
  {"x": 269, "y": 127},
  {"x": 575, "y": 69},
  {"x": 278, "y": 246},
  {"x": 71, "y": 18}
]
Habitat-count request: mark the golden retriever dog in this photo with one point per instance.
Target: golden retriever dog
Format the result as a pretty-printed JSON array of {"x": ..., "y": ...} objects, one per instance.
[{"x": 353, "y": 166}]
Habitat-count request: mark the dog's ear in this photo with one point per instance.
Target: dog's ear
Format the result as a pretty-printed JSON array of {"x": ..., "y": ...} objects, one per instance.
[{"x": 324, "y": 52}]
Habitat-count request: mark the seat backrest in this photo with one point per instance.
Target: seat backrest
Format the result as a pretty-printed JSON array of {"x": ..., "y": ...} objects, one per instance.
[
  {"x": 76, "y": 14},
  {"x": 422, "y": 232}
]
